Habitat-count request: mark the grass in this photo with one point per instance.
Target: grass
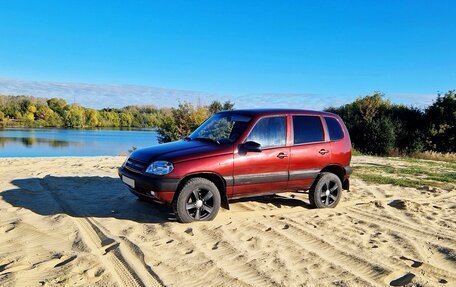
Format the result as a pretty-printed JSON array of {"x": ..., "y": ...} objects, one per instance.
[
  {"x": 415, "y": 173},
  {"x": 447, "y": 177},
  {"x": 380, "y": 179},
  {"x": 449, "y": 164},
  {"x": 432, "y": 155},
  {"x": 449, "y": 157},
  {"x": 356, "y": 152}
]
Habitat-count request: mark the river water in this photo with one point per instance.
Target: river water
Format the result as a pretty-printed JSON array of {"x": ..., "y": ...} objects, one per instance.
[{"x": 44, "y": 142}]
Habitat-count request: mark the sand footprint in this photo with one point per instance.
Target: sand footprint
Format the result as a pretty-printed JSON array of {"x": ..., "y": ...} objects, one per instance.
[
  {"x": 66, "y": 261},
  {"x": 403, "y": 279},
  {"x": 4, "y": 266},
  {"x": 8, "y": 227},
  {"x": 415, "y": 263}
]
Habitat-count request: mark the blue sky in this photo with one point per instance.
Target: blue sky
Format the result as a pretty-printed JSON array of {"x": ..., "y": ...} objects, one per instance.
[{"x": 269, "y": 51}]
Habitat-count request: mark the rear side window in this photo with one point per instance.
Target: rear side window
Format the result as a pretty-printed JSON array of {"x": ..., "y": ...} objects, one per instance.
[
  {"x": 307, "y": 129},
  {"x": 269, "y": 132},
  {"x": 334, "y": 129}
]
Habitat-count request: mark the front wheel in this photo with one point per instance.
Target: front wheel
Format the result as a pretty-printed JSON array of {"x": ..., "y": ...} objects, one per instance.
[
  {"x": 198, "y": 200},
  {"x": 326, "y": 191}
]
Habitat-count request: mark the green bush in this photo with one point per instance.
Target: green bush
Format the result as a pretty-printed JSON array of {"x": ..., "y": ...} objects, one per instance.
[
  {"x": 378, "y": 127},
  {"x": 441, "y": 119},
  {"x": 408, "y": 126},
  {"x": 368, "y": 120}
]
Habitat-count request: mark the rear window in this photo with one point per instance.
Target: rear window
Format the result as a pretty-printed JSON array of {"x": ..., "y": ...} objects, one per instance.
[
  {"x": 334, "y": 129},
  {"x": 307, "y": 129}
]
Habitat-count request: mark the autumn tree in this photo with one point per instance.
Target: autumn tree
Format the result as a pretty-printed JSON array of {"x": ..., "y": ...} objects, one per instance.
[
  {"x": 217, "y": 106},
  {"x": 74, "y": 117}
]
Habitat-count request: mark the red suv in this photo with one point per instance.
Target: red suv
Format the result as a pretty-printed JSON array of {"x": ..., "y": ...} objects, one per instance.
[{"x": 244, "y": 153}]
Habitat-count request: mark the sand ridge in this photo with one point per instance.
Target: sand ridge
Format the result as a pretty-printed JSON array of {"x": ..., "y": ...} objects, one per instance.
[{"x": 69, "y": 221}]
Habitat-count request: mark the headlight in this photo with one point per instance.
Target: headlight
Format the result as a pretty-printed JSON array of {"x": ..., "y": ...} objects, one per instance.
[{"x": 160, "y": 167}]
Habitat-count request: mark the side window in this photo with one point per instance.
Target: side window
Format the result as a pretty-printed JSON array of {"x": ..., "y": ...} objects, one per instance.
[
  {"x": 307, "y": 129},
  {"x": 269, "y": 132},
  {"x": 334, "y": 129}
]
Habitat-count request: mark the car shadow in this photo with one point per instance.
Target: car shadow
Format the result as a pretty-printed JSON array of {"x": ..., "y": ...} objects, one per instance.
[
  {"x": 84, "y": 196},
  {"x": 276, "y": 200},
  {"x": 95, "y": 196}
]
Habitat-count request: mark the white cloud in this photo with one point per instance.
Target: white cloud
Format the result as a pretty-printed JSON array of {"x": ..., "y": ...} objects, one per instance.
[
  {"x": 116, "y": 96},
  {"x": 101, "y": 95},
  {"x": 288, "y": 100}
]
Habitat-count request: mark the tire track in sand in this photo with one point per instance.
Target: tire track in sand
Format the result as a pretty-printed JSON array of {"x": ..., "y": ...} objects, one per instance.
[
  {"x": 397, "y": 263},
  {"x": 398, "y": 226},
  {"x": 410, "y": 232},
  {"x": 369, "y": 273},
  {"x": 113, "y": 252},
  {"x": 239, "y": 268}
]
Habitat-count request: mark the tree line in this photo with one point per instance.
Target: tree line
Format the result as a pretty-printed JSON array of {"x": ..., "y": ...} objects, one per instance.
[
  {"x": 171, "y": 123},
  {"x": 26, "y": 111},
  {"x": 378, "y": 127}
]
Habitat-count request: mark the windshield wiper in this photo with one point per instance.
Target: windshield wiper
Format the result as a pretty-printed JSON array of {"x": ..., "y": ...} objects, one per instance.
[
  {"x": 206, "y": 139},
  {"x": 188, "y": 138}
]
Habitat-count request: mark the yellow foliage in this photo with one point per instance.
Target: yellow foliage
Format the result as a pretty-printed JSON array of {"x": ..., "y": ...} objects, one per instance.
[
  {"x": 370, "y": 105},
  {"x": 31, "y": 109},
  {"x": 29, "y": 116}
]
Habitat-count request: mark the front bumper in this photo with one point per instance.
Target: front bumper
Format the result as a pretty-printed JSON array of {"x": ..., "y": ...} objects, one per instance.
[{"x": 163, "y": 188}]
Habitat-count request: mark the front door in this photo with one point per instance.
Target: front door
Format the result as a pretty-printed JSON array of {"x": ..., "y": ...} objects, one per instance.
[{"x": 263, "y": 172}]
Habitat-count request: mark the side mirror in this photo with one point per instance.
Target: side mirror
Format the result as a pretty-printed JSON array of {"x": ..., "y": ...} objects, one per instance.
[{"x": 251, "y": 146}]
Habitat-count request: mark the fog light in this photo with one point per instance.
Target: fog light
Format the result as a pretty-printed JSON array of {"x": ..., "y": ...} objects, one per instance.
[{"x": 152, "y": 193}]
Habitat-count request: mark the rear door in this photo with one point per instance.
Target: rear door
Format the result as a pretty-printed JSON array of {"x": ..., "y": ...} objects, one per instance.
[
  {"x": 266, "y": 171},
  {"x": 310, "y": 150},
  {"x": 340, "y": 141}
]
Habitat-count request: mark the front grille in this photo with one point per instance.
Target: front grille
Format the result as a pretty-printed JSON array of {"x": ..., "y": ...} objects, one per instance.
[{"x": 136, "y": 165}]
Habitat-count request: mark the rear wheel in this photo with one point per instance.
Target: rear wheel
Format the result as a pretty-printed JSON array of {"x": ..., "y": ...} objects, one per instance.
[
  {"x": 326, "y": 191},
  {"x": 198, "y": 200}
]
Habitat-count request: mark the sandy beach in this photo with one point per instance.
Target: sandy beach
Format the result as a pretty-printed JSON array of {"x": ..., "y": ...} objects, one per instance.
[{"x": 69, "y": 221}]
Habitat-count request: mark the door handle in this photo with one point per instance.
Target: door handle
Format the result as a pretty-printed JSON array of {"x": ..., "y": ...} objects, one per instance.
[
  {"x": 323, "y": 151},
  {"x": 282, "y": 155}
]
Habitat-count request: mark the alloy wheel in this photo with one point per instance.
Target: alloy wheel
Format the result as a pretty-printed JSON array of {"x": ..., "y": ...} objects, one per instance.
[
  {"x": 200, "y": 204},
  {"x": 329, "y": 192}
]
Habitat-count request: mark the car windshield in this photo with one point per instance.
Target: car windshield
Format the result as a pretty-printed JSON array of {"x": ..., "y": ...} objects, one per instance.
[{"x": 221, "y": 128}]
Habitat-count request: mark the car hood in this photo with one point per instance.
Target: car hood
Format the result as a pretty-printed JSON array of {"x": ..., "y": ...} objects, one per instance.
[{"x": 181, "y": 150}]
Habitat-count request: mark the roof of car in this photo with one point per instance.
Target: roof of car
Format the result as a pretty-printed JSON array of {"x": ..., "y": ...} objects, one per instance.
[{"x": 276, "y": 111}]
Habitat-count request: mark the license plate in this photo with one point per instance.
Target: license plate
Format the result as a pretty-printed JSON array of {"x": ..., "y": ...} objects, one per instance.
[{"x": 128, "y": 181}]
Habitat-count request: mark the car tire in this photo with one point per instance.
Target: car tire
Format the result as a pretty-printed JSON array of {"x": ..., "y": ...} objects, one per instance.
[
  {"x": 198, "y": 200},
  {"x": 326, "y": 191}
]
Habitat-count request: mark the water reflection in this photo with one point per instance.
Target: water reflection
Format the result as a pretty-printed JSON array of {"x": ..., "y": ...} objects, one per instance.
[
  {"x": 34, "y": 142},
  {"x": 30, "y": 141}
]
